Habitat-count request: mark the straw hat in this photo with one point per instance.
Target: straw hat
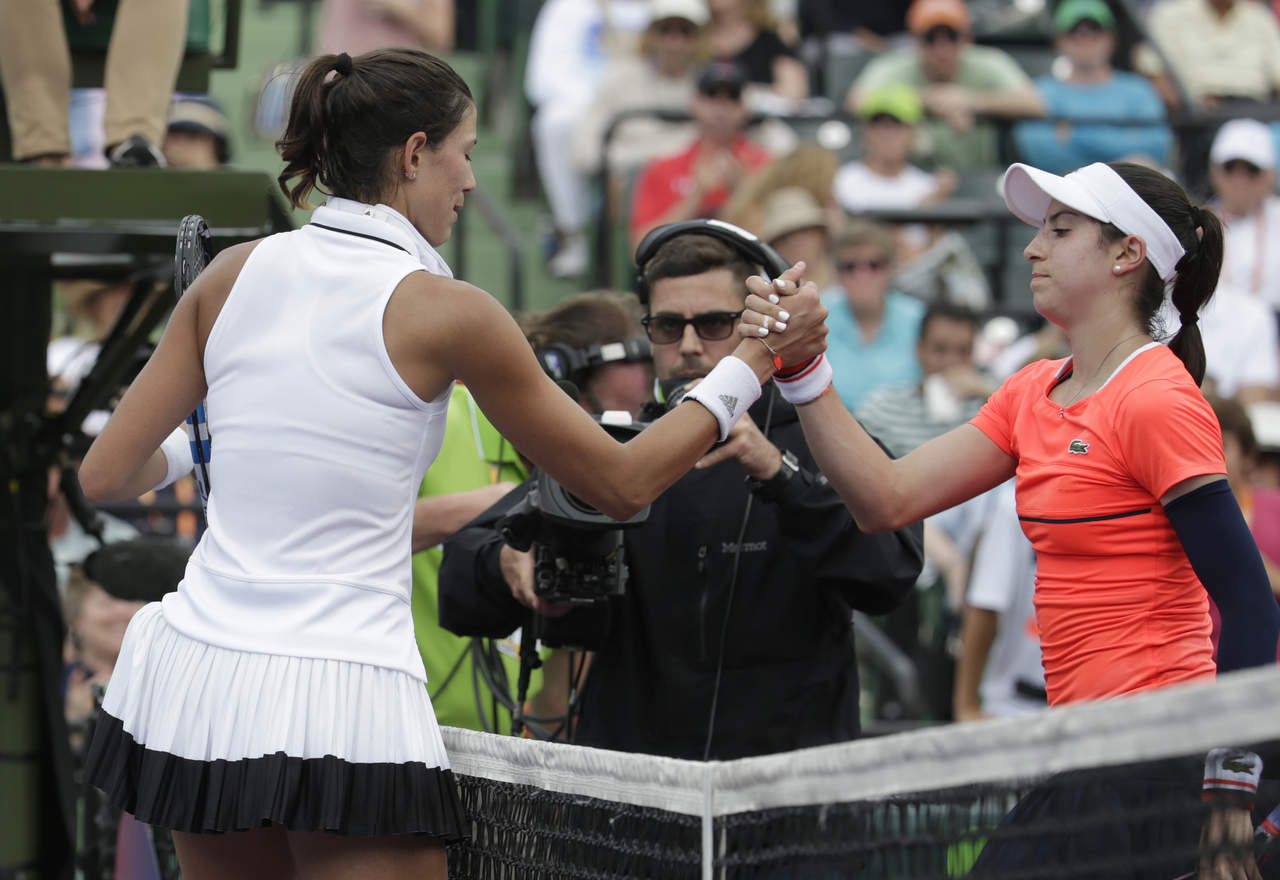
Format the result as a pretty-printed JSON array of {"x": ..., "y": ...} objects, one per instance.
[{"x": 790, "y": 209}]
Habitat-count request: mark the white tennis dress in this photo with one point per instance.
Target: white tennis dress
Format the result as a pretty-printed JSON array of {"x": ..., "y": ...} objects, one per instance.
[{"x": 281, "y": 681}]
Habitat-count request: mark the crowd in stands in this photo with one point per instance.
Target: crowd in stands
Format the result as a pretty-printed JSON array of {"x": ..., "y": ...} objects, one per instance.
[{"x": 646, "y": 112}]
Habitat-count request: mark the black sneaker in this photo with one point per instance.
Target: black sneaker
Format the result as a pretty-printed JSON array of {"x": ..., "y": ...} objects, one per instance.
[{"x": 136, "y": 152}]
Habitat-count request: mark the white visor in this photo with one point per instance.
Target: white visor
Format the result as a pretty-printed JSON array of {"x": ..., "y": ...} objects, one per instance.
[{"x": 1096, "y": 191}]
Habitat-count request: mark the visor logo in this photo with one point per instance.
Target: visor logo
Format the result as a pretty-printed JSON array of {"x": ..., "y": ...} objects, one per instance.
[{"x": 1078, "y": 447}]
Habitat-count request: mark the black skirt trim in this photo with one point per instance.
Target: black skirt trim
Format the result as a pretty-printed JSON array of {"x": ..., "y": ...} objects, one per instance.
[{"x": 302, "y": 794}]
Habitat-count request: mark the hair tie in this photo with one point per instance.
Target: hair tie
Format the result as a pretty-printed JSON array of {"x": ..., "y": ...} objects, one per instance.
[{"x": 342, "y": 64}]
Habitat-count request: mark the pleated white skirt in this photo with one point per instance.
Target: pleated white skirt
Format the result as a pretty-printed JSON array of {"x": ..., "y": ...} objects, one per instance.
[{"x": 196, "y": 737}]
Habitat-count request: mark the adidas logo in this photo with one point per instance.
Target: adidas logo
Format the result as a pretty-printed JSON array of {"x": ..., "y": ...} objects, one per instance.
[{"x": 730, "y": 402}]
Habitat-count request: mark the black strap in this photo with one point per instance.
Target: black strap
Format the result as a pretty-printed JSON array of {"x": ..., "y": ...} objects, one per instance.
[{"x": 362, "y": 235}]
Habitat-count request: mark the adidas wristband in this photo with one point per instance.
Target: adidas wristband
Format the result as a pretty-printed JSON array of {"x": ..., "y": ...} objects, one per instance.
[
  {"x": 806, "y": 383},
  {"x": 727, "y": 392},
  {"x": 1231, "y": 774},
  {"x": 177, "y": 458}
]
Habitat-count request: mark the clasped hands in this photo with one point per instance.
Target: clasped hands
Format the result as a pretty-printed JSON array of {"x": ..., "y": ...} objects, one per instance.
[{"x": 787, "y": 315}]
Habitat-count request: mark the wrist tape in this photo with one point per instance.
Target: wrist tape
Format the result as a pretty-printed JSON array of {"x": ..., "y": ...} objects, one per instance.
[
  {"x": 1231, "y": 774},
  {"x": 176, "y": 450},
  {"x": 804, "y": 383},
  {"x": 727, "y": 392}
]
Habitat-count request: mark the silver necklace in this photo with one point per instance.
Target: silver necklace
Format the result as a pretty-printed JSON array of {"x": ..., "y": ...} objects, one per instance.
[{"x": 1061, "y": 409}]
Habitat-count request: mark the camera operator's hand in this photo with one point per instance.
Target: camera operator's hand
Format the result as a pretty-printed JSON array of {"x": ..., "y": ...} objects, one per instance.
[
  {"x": 758, "y": 457},
  {"x": 787, "y": 315},
  {"x": 517, "y": 569}
]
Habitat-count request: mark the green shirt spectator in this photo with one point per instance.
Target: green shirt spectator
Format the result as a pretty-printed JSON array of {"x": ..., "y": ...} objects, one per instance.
[
  {"x": 473, "y": 456},
  {"x": 958, "y": 82}
]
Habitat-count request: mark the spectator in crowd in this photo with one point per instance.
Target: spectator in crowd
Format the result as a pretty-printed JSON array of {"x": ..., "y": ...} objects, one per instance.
[
  {"x": 783, "y": 674},
  {"x": 1241, "y": 347},
  {"x": 660, "y": 77},
  {"x": 103, "y": 593},
  {"x": 743, "y": 31},
  {"x": 951, "y": 390},
  {"x": 796, "y": 226},
  {"x": 957, "y": 82},
  {"x": 998, "y": 672},
  {"x": 1260, "y": 505},
  {"x": 476, "y": 467},
  {"x": 359, "y": 26},
  {"x": 698, "y": 181},
  {"x": 1092, "y": 89},
  {"x": 147, "y": 41},
  {"x": 873, "y": 328},
  {"x": 807, "y": 165},
  {"x": 884, "y": 177},
  {"x": 1224, "y": 53},
  {"x": 198, "y": 135},
  {"x": 571, "y": 43},
  {"x": 1242, "y": 170}
]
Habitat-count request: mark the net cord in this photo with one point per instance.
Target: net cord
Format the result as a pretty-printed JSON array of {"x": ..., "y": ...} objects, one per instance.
[{"x": 1236, "y": 709}]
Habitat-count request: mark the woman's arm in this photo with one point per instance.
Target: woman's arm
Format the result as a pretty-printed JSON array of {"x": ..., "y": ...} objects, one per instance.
[
  {"x": 124, "y": 461},
  {"x": 1225, "y": 558},
  {"x": 455, "y": 330},
  {"x": 884, "y": 493}
]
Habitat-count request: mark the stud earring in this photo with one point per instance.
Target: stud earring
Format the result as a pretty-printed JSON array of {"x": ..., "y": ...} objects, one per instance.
[{"x": 1117, "y": 268}]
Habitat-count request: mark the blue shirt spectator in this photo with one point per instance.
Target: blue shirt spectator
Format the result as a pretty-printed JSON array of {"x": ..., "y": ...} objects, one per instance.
[
  {"x": 1091, "y": 89},
  {"x": 886, "y": 359}
]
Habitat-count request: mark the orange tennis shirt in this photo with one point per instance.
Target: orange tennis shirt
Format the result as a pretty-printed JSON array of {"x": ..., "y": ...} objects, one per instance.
[{"x": 1118, "y": 606}]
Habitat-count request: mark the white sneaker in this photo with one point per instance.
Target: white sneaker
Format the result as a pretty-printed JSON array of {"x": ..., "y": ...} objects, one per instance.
[{"x": 571, "y": 259}]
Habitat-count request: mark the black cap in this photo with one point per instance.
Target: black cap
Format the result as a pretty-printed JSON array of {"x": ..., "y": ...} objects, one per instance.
[
  {"x": 724, "y": 74},
  {"x": 142, "y": 569}
]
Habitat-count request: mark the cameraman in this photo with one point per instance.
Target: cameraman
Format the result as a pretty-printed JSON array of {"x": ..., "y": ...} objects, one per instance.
[
  {"x": 741, "y": 581},
  {"x": 475, "y": 468}
]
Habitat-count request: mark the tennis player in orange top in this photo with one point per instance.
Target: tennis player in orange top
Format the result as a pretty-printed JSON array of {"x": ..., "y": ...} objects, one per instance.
[{"x": 1121, "y": 479}]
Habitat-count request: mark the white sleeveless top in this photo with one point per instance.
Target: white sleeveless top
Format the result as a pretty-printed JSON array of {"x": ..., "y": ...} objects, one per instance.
[{"x": 318, "y": 451}]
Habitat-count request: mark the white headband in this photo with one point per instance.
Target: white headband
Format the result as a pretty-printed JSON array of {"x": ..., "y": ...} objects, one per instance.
[{"x": 1098, "y": 192}]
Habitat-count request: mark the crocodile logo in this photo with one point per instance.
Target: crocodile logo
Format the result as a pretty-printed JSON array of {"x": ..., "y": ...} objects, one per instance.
[
  {"x": 1238, "y": 765},
  {"x": 1078, "y": 447}
]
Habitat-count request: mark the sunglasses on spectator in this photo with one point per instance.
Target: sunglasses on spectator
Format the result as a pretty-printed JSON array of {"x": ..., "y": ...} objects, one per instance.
[
  {"x": 941, "y": 32},
  {"x": 675, "y": 26},
  {"x": 711, "y": 326},
  {"x": 1235, "y": 165},
  {"x": 869, "y": 265},
  {"x": 1086, "y": 26}
]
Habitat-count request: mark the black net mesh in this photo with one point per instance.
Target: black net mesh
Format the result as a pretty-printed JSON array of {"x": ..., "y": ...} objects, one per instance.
[{"x": 1070, "y": 794}]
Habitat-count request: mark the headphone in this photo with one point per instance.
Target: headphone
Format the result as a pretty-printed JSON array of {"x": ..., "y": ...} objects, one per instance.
[
  {"x": 568, "y": 363},
  {"x": 744, "y": 242}
]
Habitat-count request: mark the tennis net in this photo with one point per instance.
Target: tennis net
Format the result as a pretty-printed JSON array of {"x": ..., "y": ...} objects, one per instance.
[{"x": 1105, "y": 790}]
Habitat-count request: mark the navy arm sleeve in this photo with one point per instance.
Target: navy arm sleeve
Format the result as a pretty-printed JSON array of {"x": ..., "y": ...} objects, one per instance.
[{"x": 1225, "y": 558}]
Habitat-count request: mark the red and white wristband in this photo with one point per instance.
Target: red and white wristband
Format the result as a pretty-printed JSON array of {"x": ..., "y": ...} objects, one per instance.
[
  {"x": 1232, "y": 775},
  {"x": 727, "y": 392},
  {"x": 806, "y": 382}
]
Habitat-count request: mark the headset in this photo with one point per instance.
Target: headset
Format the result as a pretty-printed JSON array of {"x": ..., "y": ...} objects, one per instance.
[
  {"x": 568, "y": 363},
  {"x": 744, "y": 242}
]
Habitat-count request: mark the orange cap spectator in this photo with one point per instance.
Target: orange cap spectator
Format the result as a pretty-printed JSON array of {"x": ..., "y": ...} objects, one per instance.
[{"x": 926, "y": 14}]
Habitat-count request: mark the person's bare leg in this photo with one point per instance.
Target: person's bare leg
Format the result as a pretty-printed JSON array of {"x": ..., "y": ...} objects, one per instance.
[
  {"x": 260, "y": 854},
  {"x": 322, "y": 856}
]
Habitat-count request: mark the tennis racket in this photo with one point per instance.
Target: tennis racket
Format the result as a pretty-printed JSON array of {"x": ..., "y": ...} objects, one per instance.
[{"x": 194, "y": 251}]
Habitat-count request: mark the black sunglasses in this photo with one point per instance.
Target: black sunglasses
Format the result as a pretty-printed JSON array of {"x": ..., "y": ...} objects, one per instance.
[
  {"x": 1235, "y": 165},
  {"x": 711, "y": 326},
  {"x": 940, "y": 32},
  {"x": 855, "y": 265}
]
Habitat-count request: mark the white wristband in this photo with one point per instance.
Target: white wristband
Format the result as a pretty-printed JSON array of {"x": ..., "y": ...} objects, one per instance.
[
  {"x": 1234, "y": 770},
  {"x": 728, "y": 391},
  {"x": 176, "y": 450},
  {"x": 807, "y": 385}
]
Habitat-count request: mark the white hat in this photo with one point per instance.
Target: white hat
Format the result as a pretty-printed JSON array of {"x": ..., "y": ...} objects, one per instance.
[
  {"x": 690, "y": 10},
  {"x": 1264, "y": 418},
  {"x": 1096, "y": 191},
  {"x": 1246, "y": 139}
]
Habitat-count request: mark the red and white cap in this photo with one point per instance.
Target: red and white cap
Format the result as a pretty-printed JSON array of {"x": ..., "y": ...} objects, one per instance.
[{"x": 1096, "y": 191}]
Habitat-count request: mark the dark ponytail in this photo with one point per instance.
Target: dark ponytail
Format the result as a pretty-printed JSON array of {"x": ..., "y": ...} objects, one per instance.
[
  {"x": 1200, "y": 233},
  {"x": 343, "y": 129}
]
